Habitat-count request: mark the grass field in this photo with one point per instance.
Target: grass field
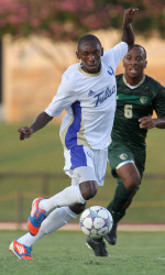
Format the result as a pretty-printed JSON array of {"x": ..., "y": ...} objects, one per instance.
[
  {"x": 65, "y": 253},
  {"x": 43, "y": 153}
]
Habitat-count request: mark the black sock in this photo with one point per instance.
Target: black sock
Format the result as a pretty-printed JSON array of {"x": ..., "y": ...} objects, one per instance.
[{"x": 120, "y": 202}]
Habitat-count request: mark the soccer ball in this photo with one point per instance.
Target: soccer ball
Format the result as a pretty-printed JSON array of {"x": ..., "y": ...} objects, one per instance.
[{"x": 96, "y": 221}]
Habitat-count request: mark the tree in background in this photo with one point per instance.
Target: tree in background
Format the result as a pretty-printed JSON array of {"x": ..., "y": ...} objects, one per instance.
[{"x": 69, "y": 19}]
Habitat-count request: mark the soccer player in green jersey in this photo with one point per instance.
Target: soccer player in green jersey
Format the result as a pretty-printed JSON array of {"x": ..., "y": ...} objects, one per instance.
[{"x": 138, "y": 95}]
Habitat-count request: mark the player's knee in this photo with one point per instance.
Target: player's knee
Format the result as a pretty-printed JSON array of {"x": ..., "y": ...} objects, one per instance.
[
  {"x": 133, "y": 182},
  {"x": 88, "y": 189},
  {"x": 136, "y": 181},
  {"x": 77, "y": 208}
]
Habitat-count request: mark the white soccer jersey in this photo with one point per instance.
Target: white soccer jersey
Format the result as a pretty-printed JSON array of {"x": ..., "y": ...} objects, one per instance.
[{"x": 90, "y": 102}]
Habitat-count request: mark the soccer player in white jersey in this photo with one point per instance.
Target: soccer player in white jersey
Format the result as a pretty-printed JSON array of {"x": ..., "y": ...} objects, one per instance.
[{"x": 88, "y": 94}]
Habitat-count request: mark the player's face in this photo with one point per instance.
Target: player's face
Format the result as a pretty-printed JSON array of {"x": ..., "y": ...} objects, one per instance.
[
  {"x": 90, "y": 53},
  {"x": 134, "y": 63}
]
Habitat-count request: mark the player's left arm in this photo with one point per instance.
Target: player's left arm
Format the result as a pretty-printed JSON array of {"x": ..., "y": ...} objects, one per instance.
[
  {"x": 147, "y": 122},
  {"x": 128, "y": 33}
]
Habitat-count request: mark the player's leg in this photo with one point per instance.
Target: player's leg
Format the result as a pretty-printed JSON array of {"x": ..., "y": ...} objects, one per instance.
[
  {"x": 127, "y": 185},
  {"x": 59, "y": 216},
  {"x": 122, "y": 162},
  {"x": 124, "y": 193},
  {"x": 22, "y": 247},
  {"x": 41, "y": 207},
  {"x": 97, "y": 245},
  {"x": 74, "y": 194},
  {"x": 79, "y": 157},
  {"x": 100, "y": 164}
]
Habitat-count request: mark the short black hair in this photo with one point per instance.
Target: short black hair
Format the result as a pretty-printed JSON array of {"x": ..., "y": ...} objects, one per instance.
[
  {"x": 88, "y": 37},
  {"x": 139, "y": 46}
]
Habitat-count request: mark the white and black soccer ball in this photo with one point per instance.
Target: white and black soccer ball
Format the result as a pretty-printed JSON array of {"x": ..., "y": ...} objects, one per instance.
[{"x": 96, "y": 221}]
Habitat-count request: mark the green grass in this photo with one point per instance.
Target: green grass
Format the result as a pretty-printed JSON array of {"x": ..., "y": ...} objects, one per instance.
[
  {"x": 65, "y": 253},
  {"x": 37, "y": 154},
  {"x": 43, "y": 153}
]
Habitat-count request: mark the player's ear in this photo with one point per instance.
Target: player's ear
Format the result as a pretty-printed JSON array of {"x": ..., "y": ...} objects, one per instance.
[
  {"x": 102, "y": 51},
  {"x": 145, "y": 65},
  {"x": 123, "y": 63},
  {"x": 78, "y": 55}
]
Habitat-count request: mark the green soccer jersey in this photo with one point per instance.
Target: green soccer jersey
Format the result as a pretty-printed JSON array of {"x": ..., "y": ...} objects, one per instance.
[{"x": 134, "y": 103}]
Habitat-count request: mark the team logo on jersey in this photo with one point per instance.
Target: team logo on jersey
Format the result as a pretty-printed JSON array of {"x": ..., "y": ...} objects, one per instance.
[
  {"x": 143, "y": 99},
  {"x": 91, "y": 93},
  {"x": 123, "y": 156},
  {"x": 110, "y": 71}
]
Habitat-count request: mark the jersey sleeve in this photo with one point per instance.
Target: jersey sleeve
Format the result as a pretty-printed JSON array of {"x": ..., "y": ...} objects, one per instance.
[
  {"x": 116, "y": 54},
  {"x": 159, "y": 102},
  {"x": 64, "y": 98}
]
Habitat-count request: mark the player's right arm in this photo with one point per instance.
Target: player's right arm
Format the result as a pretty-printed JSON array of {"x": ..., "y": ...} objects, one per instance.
[
  {"x": 41, "y": 121},
  {"x": 64, "y": 97}
]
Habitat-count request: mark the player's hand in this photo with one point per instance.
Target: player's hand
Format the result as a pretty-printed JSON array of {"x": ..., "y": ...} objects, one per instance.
[
  {"x": 146, "y": 122},
  {"x": 25, "y": 132},
  {"x": 128, "y": 15}
]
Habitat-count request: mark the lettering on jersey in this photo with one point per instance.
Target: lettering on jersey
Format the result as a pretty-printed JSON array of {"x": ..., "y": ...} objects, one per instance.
[
  {"x": 143, "y": 99},
  {"x": 102, "y": 96},
  {"x": 91, "y": 93},
  {"x": 110, "y": 71}
]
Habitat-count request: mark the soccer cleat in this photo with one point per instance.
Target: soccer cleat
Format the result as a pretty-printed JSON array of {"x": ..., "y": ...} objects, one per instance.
[
  {"x": 23, "y": 252},
  {"x": 98, "y": 247},
  {"x": 36, "y": 217},
  {"x": 111, "y": 237}
]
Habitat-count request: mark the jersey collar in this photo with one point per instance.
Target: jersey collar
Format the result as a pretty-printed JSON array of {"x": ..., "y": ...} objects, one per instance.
[
  {"x": 87, "y": 74},
  {"x": 135, "y": 86}
]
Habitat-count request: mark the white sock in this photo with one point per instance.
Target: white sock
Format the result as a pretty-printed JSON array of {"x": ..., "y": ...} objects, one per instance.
[
  {"x": 56, "y": 219},
  {"x": 67, "y": 197}
]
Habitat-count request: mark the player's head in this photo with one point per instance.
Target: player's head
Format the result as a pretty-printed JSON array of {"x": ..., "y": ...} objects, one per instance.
[
  {"x": 89, "y": 51},
  {"x": 135, "y": 62}
]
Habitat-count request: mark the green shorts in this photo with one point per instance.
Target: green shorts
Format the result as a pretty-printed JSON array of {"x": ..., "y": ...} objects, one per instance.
[{"x": 119, "y": 153}]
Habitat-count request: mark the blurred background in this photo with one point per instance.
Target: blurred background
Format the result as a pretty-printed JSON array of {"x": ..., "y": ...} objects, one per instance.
[{"x": 37, "y": 43}]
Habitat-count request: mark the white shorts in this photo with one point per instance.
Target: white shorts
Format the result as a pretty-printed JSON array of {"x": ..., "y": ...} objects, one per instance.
[{"x": 83, "y": 164}]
